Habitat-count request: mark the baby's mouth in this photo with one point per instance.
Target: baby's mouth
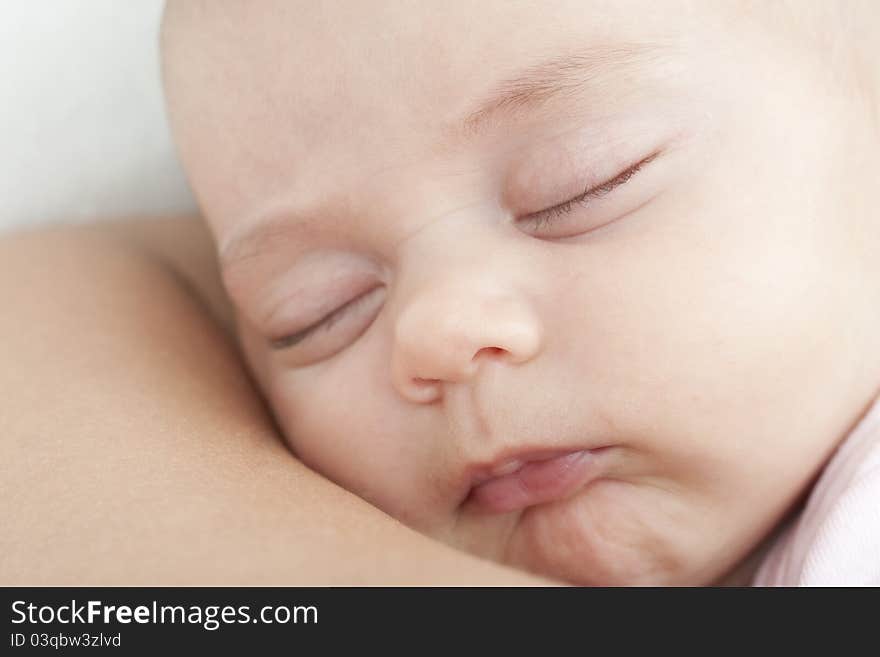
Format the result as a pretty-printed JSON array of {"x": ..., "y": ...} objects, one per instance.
[{"x": 517, "y": 483}]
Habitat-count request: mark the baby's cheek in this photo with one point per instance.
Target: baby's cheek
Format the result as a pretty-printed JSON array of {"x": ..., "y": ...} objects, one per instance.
[
  {"x": 306, "y": 411},
  {"x": 702, "y": 336},
  {"x": 703, "y": 299},
  {"x": 336, "y": 427},
  {"x": 322, "y": 434}
]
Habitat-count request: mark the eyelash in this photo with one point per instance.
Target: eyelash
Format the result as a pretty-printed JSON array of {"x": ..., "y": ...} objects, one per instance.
[
  {"x": 550, "y": 215},
  {"x": 537, "y": 219},
  {"x": 324, "y": 323}
]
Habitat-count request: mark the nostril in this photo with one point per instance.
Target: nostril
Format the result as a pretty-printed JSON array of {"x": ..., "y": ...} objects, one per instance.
[
  {"x": 423, "y": 390},
  {"x": 489, "y": 351}
]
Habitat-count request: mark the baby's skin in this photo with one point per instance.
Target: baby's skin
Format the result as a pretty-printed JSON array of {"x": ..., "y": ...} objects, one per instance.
[{"x": 588, "y": 288}]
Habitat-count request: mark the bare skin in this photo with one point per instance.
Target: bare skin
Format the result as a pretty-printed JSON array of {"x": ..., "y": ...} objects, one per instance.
[
  {"x": 430, "y": 300},
  {"x": 216, "y": 514},
  {"x": 134, "y": 450}
]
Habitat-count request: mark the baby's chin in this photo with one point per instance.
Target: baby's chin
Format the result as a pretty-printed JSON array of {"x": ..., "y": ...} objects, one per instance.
[{"x": 600, "y": 536}]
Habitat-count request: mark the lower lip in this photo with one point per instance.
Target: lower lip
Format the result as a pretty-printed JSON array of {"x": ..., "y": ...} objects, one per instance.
[{"x": 536, "y": 482}]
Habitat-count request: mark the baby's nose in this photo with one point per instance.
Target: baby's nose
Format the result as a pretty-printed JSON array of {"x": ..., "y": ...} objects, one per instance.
[{"x": 446, "y": 332}]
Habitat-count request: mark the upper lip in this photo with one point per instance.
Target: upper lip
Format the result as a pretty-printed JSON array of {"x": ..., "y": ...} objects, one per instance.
[{"x": 510, "y": 461}]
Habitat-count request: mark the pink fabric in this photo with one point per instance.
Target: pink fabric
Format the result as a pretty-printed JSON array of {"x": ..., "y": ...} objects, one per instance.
[{"x": 835, "y": 541}]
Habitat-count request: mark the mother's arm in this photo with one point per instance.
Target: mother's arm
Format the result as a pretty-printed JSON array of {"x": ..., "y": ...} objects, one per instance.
[{"x": 133, "y": 448}]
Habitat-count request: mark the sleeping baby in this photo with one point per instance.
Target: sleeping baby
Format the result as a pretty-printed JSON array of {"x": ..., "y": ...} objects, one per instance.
[{"x": 587, "y": 288}]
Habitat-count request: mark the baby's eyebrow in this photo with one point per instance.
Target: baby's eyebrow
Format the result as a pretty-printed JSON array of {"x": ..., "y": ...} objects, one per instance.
[{"x": 565, "y": 75}]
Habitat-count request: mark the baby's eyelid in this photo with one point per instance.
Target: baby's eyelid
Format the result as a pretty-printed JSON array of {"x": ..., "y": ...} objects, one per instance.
[
  {"x": 547, "y": 215},
  {"x": 295, "y": 338},
  {"x": 325, "y": 323}
]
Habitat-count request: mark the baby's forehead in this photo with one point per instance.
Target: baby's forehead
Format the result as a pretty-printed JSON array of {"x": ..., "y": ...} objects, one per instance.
[
  {"x": 279, "y": 104},
  {"x": 264, "y": 98},
  {"x": 430, "y": 54}
]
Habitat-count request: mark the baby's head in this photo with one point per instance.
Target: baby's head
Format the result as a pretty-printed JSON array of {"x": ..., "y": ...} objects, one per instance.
[{"x": 584, "y": 287}]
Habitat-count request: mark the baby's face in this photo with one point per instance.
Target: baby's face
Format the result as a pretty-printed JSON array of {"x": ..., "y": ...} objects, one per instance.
[{"x": 632, "y": 385}]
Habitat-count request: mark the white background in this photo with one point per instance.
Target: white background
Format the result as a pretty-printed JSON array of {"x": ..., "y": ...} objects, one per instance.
[{"x": 83, "y": 132}]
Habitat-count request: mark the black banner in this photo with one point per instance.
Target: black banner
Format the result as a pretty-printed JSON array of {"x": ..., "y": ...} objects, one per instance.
[{"x": 135, "y": 620}]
